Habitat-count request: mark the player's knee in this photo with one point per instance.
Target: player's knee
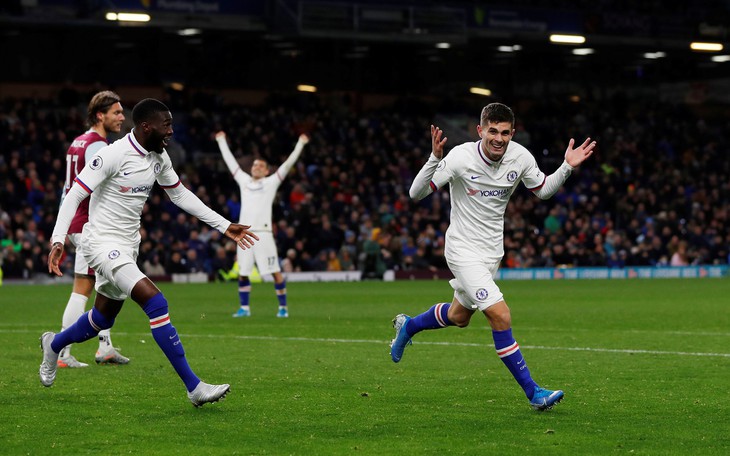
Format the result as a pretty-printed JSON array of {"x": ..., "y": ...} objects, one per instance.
[
  {"x": 499, "y": 316},
  {"x": 100, "y": 320}
]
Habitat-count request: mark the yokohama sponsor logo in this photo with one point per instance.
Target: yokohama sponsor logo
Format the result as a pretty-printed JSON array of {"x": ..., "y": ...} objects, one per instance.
[{"x": 488, "y": 193}]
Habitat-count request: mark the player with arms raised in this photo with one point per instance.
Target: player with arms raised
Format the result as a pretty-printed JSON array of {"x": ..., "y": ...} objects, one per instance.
[
  {"x": 120, "y": 178},
  {"x": 104, "y": 115},
  {"x": 258, "y": 191},
  {"x": 482, "y": 176}
]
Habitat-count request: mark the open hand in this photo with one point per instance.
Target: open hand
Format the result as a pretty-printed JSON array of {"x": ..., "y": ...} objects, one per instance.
[
  {"x": 576, "y": 156},
  {"x": 240, "y": 233},
  {"x": 437, "y": 144}
]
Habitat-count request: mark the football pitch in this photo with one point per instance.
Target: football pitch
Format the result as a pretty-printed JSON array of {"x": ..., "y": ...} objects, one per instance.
[{"x": 645, "y": 366}]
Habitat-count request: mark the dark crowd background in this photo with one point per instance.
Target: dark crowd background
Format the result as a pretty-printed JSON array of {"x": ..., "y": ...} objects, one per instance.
[{"x": 656, "y": 192}]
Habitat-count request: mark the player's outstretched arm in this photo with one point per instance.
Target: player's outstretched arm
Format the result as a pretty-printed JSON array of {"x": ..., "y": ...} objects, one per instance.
[
  {"x": 54, "y": 259},
  {"x": 574, "y": 157},
  {"x": 241, "y": 234}
]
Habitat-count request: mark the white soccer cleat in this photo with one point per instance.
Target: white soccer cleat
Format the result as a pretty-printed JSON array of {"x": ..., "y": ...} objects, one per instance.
[
  {"x": 47, "y": 370},
  {"x": 204, "y": 393},
  {"x": 69, "y": 361},
  {"x": 110, "y": 356}
]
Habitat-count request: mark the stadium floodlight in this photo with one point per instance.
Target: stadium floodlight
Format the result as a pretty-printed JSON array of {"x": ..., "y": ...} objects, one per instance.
[
  {"x": 721, "y": 58},
  {"x": 306, "y": 88},
  {"x": 654, "y": 55},
  {"x": 480, "y": 91},
  {"x": 189, "y": 32},
  {"x": 513, "y": 48},
  {"x": 128, "y": 17},
  {"x": 567, "y": 39},
  {"x": 709, "y": 47},
  {"x": 583, "y": 51},
  {"x": 443, "y": 45}
]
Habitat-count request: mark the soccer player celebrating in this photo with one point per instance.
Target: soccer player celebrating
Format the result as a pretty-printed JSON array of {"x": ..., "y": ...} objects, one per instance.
[
  {"x": 482, "y": 176},
  {"x": 119, "y": 178},
  {"x": 104, "y": 115},
  {"x": 258, "y": 191}
]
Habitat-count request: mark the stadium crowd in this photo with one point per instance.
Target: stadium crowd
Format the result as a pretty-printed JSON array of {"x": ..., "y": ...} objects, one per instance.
[{"x": 655, "y": 193}]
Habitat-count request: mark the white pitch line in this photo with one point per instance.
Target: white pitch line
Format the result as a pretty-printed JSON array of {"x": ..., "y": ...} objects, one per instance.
[
  {"x": 469, "y": 344},
  {"x": 452, "y": 344}
]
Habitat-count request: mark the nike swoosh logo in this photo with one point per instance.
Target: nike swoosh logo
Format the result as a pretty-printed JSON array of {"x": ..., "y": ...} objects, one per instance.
[
  {"x": 127, "y": 173},
  {"x": 520, "y": 361},
  {"x": 173, "y": 336},
  {"x": 474, "y": 177}
]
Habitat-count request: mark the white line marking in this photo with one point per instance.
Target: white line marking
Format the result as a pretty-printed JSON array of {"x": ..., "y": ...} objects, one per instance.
[{"x": 382, "y": 342}]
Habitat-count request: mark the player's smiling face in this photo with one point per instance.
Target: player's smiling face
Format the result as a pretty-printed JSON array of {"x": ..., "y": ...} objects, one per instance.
[
  {"x": 495, "y": 138},
  {"x": 259, "y": 169},
  {"x": 159, "y": 131}
]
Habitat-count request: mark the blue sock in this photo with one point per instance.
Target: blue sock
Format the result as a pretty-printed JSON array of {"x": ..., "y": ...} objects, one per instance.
[
  {"x": 244, "y": 291},
  {"x": 281, "y": 293},
  {"x": 87, "y": 326},
  {"x": 434, "y": 318},
  {"x": 166, "y": 337},
  {"x": 509, "y": 352}
]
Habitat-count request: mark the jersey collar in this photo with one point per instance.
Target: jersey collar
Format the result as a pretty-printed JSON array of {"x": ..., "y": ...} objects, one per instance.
[
  {"x": 484, "y": 158},
  {"x": 135, "y": 144}
]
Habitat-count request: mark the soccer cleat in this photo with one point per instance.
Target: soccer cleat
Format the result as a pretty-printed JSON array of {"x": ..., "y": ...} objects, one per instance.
[
  {"x": 282, "y": 313},
  {"x": 543, "y": 399},
  {"x": 204, "y": 393},
  {"x": 402, "y": 338},
  {"x": 69, "y": 361},
  {"x": 47, "y": 370},
  {"x": 242, "y": 312},
  {"x": 110, "y": 356}
]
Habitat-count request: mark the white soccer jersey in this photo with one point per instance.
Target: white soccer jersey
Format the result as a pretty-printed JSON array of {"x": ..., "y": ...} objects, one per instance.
[
  {"x": 480, "y": 190},
  {"x": 119, "y": 178},
  {"x": 257, "y": 196}
]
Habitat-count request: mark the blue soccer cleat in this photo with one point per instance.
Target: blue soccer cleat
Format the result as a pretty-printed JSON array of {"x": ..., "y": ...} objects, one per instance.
[
  {"x": 544, "y": 399},
  {"x": 402, "y": 338},
  {"x": 242, "y": 312},
  {"x": 282, "y": 313}
]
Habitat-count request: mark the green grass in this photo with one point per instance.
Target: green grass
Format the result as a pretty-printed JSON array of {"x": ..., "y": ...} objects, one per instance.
[{"x": 627, "y": 354}]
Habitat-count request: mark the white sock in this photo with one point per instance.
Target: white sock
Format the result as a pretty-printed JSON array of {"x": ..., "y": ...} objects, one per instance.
[
  {"x": 105, "y": 340},
  {"x": 74, "y": 309}
]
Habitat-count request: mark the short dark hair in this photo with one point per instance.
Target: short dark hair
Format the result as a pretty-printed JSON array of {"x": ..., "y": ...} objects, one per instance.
[
  {"x": 497, "y": 112},
  {"x": 101, "y": 102},
  {"x": 145, "y": 109}
]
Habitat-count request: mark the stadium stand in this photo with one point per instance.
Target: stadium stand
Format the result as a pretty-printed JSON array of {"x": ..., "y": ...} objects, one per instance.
[{"x": 655, "y": 193}]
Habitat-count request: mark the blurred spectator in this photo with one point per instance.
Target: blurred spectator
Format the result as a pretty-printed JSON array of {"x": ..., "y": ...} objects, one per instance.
[
  {"x": 645, "y": 193},
  {"x": 152, "y": 266}
]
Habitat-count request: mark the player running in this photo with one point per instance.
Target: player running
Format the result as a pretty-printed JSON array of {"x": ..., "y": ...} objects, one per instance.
[
  {"x": 119, "y": 179},
  {"x": 482, "y": 176}
]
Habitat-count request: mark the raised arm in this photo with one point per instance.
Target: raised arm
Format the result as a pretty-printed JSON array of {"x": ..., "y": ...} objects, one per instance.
[
  {"x": 228, "y": 157},
  {"x": 573, "y": 158},
  {"x": 422, "y": 185},
  {"x": 283, "y": 170}
]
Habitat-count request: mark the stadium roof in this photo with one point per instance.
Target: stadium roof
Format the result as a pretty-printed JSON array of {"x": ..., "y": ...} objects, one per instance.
[{"x": 369, "y": 46}]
